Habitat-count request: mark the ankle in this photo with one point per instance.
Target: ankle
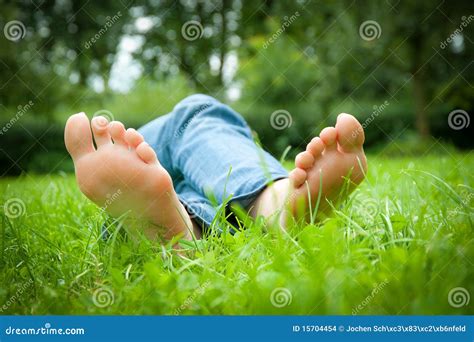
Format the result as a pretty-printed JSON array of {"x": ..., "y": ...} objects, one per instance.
[{"x": 272, "y": 202}]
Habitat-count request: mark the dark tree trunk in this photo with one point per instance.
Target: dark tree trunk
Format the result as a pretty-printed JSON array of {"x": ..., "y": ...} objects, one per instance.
[
  {"x": 223, "y": 48},
  {"x": 421, "y": 119},
  {"x": 419, "y": 86}
]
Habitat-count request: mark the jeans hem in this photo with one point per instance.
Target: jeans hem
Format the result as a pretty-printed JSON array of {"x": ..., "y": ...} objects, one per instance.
[
  {"x": 244, "y": 200},
  {"x": 247, "y": 198}
]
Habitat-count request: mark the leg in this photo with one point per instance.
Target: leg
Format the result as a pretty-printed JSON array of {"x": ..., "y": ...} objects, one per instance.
[
  {"x": 214, "y": 151},
  {"x": 123, "y": 176},
  {"x": 321, "y": 172}
]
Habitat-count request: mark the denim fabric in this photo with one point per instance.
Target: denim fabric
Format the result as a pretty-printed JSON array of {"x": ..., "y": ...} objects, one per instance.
[{"x": 208, "y": 150}]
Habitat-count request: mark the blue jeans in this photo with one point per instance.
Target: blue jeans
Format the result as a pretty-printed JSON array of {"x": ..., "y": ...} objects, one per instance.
[{"x": 208, "y": 150}]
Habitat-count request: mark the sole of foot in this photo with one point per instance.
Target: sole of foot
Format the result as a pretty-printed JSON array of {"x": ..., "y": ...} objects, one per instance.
[
  {"x": 331, "y": 167},
  {"x": 122, "y": 175}
]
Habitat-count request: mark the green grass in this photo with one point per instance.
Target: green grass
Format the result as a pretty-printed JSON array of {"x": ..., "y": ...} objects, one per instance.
[{"x": 398, "y": 246}]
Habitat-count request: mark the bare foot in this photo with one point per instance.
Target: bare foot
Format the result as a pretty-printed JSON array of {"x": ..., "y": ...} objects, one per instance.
[
  {"x": 331, "y": 161},
  {"x": 123, "y": 176}
]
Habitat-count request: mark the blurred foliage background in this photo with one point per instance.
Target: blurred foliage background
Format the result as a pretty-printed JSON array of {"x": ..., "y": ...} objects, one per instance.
[{"x": 401, "y": 76}]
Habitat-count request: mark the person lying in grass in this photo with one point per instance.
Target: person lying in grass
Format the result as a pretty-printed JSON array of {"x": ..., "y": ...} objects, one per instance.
[{"x": 167, "y": 171}]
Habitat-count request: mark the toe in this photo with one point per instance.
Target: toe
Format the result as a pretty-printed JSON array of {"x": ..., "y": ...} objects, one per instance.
[
  {"x": 329, "y": 137},
  {"x": 101, "y": 133},
  {"x": 350, "y": 134},
  {"x": 77, "y": 136},
  {"x": 117, "y": 132},
  {"x": 133, "y": 138},
  {"x": 298, "y": 177},
  {"x": 146, "y": 153},
  {"x": 304, "y": 160},
  {"x": 315, "y": 147}
]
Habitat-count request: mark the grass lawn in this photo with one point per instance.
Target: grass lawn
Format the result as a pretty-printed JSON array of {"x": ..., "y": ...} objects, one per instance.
[{"x": 402, "y": 244}]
